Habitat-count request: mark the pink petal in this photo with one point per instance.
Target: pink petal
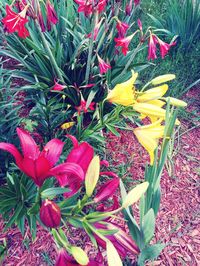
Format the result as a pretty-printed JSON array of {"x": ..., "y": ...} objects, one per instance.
[
  {"x": 64, "y": 170},
  {"x": 52, "y": 151},
  {"x": 29, "y": 147},
  {"x": 73, "y": 139},
  {"x": 13, "y": 150},
  {"x": 82, "y": 155}
]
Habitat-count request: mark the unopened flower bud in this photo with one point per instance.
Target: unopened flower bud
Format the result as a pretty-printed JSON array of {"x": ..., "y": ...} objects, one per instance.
[
  {"x": 50, "y": 214},
  {"x": 79, "y": 255}
]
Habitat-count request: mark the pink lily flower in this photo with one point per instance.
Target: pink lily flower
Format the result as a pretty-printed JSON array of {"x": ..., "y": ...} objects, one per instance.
[
  {"x": 152, "y": 47},
  {"x": 82, "y": 107},
  {"x": 82, "y": 155},
  {"x": 107, "y": 190},
  {"x": 122, "y": 242},
  {"x": 124, "y": 43},
  {"x": 51, "y": 15},
  {"x": 164, "y": 47},
  {"x": 85, "y": 6},
  {"x": 122, "y": 28},
  {"x": 40, "y": 165},
  {"x": 57, "y": 86},
  {"x": 15, "y": 22},
  {"x": 103, "y": 66},
  {"x": 101, "y": 5},
  {"x": 129, "y": 8}
]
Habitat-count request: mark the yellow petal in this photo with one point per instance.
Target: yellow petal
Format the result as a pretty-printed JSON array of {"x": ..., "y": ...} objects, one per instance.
[
  {"x": 135, "y": 194},
  {"x": 152, "y": 94},
  {"x": 112, "y": 255},
  {"x": 149, "y": 143},
  {"x": 92, "y": 175},
  {"x": 67, "y": 125},
  {"x": 158, "y": 103},
  {"x": 79, "y": 255},
  {"x": 176, "y": 102},
  {"x": 123, "y": 93},
  {"x": 162, "y": 79},
  {"x": 149, "y": 110}
]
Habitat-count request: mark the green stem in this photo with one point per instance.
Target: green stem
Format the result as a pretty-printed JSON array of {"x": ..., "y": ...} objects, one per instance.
[{"x": 51, "y": 57}]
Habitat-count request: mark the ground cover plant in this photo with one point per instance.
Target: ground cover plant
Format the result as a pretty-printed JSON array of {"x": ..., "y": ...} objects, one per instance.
[{"x": 78, "y": 79}]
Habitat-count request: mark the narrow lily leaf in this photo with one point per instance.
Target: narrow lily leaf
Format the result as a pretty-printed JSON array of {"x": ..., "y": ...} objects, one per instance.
[
  {"x": 92, "y": 175},
  {"x": 135, "y": 194},
  {"x": 112, "y": 255},
  {"x": 52, "y": 192}
]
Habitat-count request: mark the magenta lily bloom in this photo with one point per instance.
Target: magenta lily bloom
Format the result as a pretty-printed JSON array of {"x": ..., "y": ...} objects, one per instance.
[
  {"x": 39, "y": 165},
  {"x": 107, "y": 190},
  {"x": 122, "y": 28},
  {"x": 124, "y": 43},
  {"x": 103, "y": 66},
  {"x": 51, "y": 15},
  {"x": 164, "y": 47},
  {"x": 122, "y": 242},
  {"x": 80, "y": 155},
  {"x": 152, "y": 47}
]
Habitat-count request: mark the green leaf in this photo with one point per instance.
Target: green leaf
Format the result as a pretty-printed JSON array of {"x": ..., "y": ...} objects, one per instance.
[
  {"x": 14, "y": 217},
  {"x": 113, "y": 130},
  {"x": 52, "y": 192},
  {"x": 90, "y": 234},
  {"x": 150, "y": 253},
  {"x": 148, "y": 226}
]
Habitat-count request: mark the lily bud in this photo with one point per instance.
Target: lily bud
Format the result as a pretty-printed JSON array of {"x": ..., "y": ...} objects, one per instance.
[
  {"x": 112, "y": 255},
  {"x": 162, "y": 79},
  {"x": 79, "y": 255},
  {"x": 50, "y": 214},
  {"x": 135, "y": 194},
  {"x": 176, "y": 102},
  {"x": 92, "y": 175},
  {"x": 107, "y": 190}
]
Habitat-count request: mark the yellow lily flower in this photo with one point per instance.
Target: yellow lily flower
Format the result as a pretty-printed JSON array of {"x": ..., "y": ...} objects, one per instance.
[
  {"x": 158, "y": 103},
  {"x": 148, "y": 137},
  {"x": 123, "y": 93},
  {"x": 152, "y": 94},
  {"x": 149, "y": 110},
  {"x": 162, "y": 79}
]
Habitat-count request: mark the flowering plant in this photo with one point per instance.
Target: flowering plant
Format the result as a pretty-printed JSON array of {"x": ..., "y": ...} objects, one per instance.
[{"x": 78, "y": 59}]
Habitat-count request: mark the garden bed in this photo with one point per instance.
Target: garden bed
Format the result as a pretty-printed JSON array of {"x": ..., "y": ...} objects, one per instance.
[{"x": 178, "y": 220}]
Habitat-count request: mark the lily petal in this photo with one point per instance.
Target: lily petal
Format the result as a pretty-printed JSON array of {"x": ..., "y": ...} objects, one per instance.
[
  {"x": 29, "y": 147},
  {"x": 153, "y": 94},
  {"x": 81, "y": 155},
  {"x": 52, "y": 151},
  {"x": 13, "y": 150},
  {"x": 149, "y": 110},
  {"x": 64, "y": 170}
]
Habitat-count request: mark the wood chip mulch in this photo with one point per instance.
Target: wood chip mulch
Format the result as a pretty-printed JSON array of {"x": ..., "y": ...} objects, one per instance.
[{"x": 178, "y": 221}]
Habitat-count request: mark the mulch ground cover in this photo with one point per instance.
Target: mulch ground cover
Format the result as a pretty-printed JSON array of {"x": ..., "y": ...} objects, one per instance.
[{"x": 178, "y": 220}]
